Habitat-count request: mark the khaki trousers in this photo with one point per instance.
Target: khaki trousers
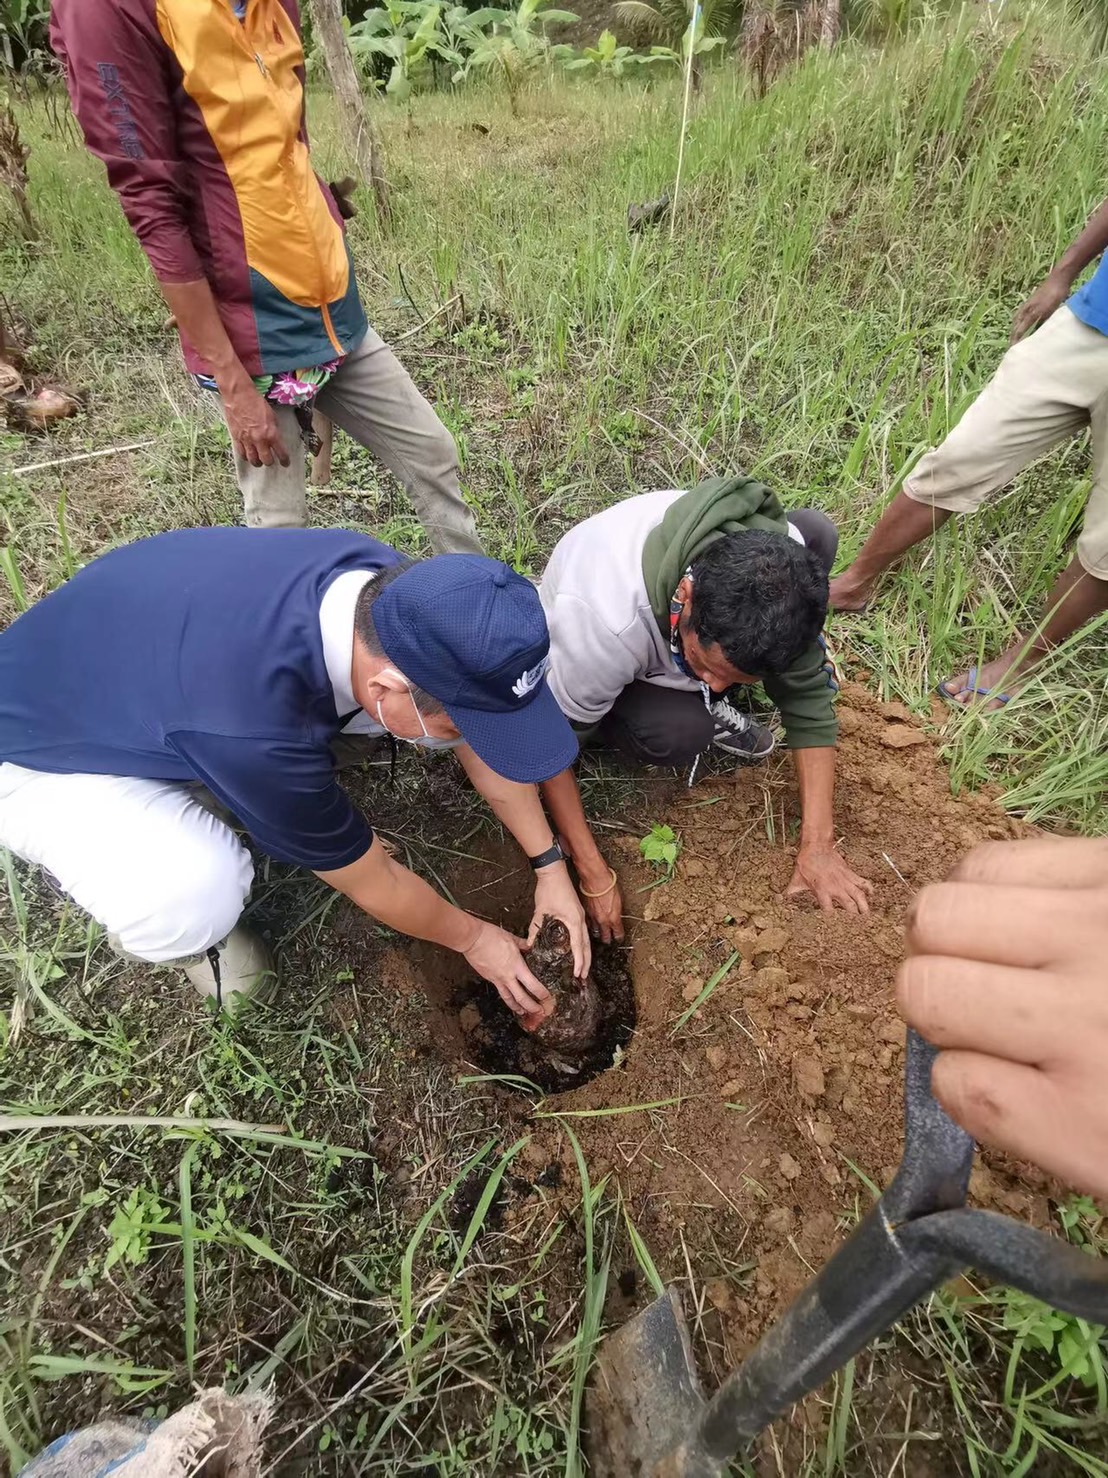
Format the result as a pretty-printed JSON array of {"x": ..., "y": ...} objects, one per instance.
[
  {"x": 374, "y": 400},
  {"x": 1046, "y": 389}
]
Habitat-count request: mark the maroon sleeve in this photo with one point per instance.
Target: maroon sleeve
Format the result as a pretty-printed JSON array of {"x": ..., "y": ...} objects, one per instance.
[{"x": 117, "y": 70}]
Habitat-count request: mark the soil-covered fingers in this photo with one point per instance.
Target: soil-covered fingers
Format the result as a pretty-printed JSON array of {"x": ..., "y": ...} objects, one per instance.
[
  {"x": 526, "y": 996},
  {"x": 258, "y": 436},
  {"x": 831, "y": 881},
  {"x": 859, "y": 891},
  {"x": 249, "y": 450},
  {"x": 1059, "y": 1122},
  {"x": 556, "y": 898},
  {"x": 1041, "y": 862},
  {"x": 1030, "y": 928},
  {"x": 1027, "y": 1016},
  {"x": 271, "y": 448},
  {"x": 536, "y": 995},
  {"x": 582, "y": 947}
]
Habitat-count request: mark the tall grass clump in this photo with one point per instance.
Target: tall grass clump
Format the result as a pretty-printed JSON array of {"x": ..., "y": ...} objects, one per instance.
[{"x": 848, "y": 252}]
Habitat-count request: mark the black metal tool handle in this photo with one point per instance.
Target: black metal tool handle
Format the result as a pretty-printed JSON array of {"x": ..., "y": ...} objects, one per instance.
[
  {"x": 1014, "y": 1253},
  {"x": 863, "y": 1290},
  {"x": 938, "y": 1155},
  {"x": 917, "y": 1236}
]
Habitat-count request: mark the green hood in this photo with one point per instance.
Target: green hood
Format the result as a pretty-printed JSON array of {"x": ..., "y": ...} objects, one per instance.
[
  {"x": 722, "y": 505},
  {"x": 805, "y": 695}
]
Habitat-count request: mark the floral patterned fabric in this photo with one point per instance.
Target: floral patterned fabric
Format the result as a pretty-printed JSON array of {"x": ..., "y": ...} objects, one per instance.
[
  {"x": 288, "y": 387},
  {"x": 296, "y": 389}
]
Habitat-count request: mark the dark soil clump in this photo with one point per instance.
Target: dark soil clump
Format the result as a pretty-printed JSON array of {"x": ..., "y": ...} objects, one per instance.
[{"x": 571, "y": 1048}]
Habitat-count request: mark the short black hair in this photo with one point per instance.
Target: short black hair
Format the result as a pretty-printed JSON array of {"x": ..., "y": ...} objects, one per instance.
[
  {"x": 761, "y": 597},
  {"x": 366, "y": 630}
]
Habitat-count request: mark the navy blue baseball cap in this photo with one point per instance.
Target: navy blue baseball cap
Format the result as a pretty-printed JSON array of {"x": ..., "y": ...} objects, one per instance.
[{"x": 471, "y": 632}]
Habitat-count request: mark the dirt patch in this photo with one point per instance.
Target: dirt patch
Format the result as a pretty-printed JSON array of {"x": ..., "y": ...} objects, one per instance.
[
  {"x": 781, "y": 1094},
  {"x": 751, "y": 1131},
  {"x": 788, "y": 1079}
]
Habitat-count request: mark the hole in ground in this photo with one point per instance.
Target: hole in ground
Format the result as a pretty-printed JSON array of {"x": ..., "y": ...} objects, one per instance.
[
  {"x": 498, "y": 1044},
  {"x": 467, "y": 1020}
]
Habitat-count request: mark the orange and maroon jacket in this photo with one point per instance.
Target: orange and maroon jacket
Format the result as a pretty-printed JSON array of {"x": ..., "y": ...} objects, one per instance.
[{"x": 199, "y": 117}]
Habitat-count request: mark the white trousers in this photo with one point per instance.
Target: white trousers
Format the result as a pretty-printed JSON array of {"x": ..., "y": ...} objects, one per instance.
[{"x": 145, "y": 858}]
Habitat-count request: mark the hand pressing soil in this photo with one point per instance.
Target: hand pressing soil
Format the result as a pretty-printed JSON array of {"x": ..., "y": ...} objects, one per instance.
[{"x": 572, "y": 1029}]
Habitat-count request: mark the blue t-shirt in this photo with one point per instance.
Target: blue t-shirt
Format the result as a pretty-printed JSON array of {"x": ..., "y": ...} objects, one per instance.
[
  {"x": 196, "y": 655},
  {"x": 1090, "y": 302}
]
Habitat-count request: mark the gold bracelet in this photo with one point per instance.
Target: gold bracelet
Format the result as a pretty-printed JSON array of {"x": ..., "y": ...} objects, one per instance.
[{"x": 586, "y": 894}]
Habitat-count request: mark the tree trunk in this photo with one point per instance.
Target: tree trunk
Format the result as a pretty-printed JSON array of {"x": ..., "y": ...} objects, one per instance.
[
  {"x": 361, "y": 134},
  {"x": 831, "y": 23},
  {"x": 324, "y": 428}
]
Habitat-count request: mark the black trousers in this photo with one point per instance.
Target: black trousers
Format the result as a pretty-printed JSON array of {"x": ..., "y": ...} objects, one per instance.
[{"x": 652, "y": 725}]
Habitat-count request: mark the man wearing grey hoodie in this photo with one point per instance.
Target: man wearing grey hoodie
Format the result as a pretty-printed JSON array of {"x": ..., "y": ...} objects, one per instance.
[{"x": 659, "y": 607}]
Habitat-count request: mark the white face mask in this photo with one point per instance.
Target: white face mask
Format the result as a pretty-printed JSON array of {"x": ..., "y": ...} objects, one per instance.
[{"x": 408, "y": 689}]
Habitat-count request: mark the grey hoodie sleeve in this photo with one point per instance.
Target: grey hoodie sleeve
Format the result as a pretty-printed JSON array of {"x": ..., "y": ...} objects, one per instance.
[{"x": 590, "y": 665}]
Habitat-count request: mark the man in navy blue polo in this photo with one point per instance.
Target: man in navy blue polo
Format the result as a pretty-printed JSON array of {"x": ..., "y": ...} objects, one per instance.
[{"x": 226, "y": 661}]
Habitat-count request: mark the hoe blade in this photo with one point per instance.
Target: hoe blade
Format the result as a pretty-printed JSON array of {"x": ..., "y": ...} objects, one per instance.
[{"x": 645, "y": 1395}]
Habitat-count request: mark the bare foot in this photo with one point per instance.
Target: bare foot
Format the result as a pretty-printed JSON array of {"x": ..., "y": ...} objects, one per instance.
[
  {"x": 999, "y": 677},
  {"x": 846, "y": 593}
]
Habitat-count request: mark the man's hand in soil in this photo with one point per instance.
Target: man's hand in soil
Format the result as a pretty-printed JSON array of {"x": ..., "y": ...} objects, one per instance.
[
  {"x": 599, "y": 890},
  {"x": 387, "y": 891},
  {"x": 251, "y": 421},
  {"x": 824, "y": 872},
  {"x": 1047, "y": 298},
  {"x": 556, "y": 898},
  {"x": 1006, "y": 976},
  {"x": 820, "y": 870},
  {"x": 497, "y": 956}
]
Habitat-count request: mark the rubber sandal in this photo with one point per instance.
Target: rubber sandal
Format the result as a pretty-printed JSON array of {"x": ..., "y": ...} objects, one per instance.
[{"x": 971, "y": 687}]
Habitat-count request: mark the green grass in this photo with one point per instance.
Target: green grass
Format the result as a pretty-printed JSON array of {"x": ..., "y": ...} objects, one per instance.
[
  {"x": 846, "y": 260},
  {"x": 147, "y": 1256}
]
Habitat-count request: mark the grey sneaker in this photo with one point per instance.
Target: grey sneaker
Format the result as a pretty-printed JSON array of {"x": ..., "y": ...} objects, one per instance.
[
  {"x": 240, "y": 967},
  {"x": 738, "y": 735}
]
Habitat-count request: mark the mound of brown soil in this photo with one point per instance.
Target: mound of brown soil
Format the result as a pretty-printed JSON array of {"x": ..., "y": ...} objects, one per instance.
[
  {"x": 785, "y": 1085},
  {"x": 779, "y": 1098}
]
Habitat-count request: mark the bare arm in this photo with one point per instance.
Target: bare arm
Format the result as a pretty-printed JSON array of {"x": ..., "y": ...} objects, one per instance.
[
  {"x": 520, "y": 809},
  {"x": 602, "y": 899},
  {"x": 1091, "y": 243},
  {"x": 1058, "y": 283},
  {"x": 517, "y": 806},
  {"x": 385, "y": 890},
  {"x": 820, "y": 869}
]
